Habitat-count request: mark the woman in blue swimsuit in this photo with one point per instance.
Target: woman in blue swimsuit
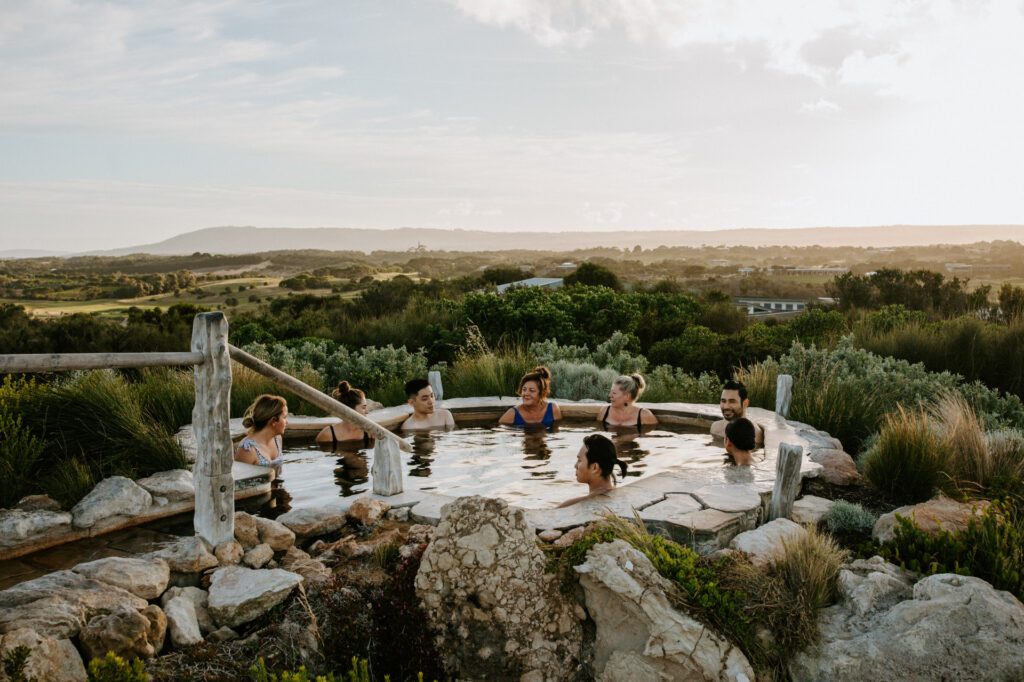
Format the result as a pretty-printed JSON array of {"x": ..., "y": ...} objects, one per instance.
[
  {"x": 265, "y": 422},
  {"x": 535, "y": 409}
]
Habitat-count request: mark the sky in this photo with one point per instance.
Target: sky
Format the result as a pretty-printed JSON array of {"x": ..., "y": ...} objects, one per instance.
[{"x": 125, "y": 123}]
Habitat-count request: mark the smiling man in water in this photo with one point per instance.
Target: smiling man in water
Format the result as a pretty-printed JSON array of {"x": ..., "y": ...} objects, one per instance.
[
  {"x": 733, "y": 404},
  {"x": 420, "y": 396}
]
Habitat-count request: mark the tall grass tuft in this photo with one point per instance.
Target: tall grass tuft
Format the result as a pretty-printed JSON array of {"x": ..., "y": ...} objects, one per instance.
[
  {"x": 906, "y": 462},
  {"x": 1006, "y": 449},
  {"x": 809, "y": 567},
  {"x": 968, "y": 464},
  {"x": 480, "y": 371},
  {"x": 760, "y": 379},
  {"x": 167, "y": 395}
]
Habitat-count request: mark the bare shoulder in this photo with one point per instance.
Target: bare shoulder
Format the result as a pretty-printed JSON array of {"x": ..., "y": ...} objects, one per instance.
[
  {"x": 647, "y": 417},
  {"x": 718, "y": 428},
  {"x": 508, "y": 417},
  {"x": 449, "y": 419},
  {"x": 556, "y": 412},
  {"x": 246, "y": 455}
]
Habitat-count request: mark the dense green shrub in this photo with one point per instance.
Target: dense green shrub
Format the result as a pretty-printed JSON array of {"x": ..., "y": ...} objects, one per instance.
[
  {"x": 665, "y": 384},
  {"x": 848, "y": 517},
  {"x": 990, "y": 548},
  {"x": 20, "y": 455},
  {"x": 580, "y": 380},
  {"x": 613, "y": 353}
]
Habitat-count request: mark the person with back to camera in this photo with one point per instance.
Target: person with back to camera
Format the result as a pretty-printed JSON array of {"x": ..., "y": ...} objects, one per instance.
[
  {"x": 739, "y": 441},
  {"x": 420, "y": 395},
  {"x": 345, "y": 432},
  {"x": 534, "y": 409},
  {"x": 734, "y": 404},
  {"x": 621, "y": 412},
  {"x": 595, "y": 465},
  {"x": 265, "y": 421}
]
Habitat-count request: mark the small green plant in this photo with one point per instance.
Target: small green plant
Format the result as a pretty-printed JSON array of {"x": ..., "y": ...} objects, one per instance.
[
  {"x": 848, "y": 517},
  {"x": 14, "y": 663},
  {"x": 113, "y": 668}
]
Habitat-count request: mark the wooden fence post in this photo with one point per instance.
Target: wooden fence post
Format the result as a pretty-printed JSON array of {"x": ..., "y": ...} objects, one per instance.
[
  {"x": 435, "y": 383},
  {"x": 787, "y": 481},
  {"x": 387, "y": 468},
  {"x": 783, "y": 395},
  {"x": 214, "y": 484}
]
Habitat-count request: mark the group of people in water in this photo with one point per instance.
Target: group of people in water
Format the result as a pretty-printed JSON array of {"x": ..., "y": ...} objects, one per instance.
[{"x": 266, "y": 419}]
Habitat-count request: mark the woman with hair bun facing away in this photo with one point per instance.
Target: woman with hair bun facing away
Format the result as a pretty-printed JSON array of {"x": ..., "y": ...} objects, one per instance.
[
  {"x": 621, "y": 412},
  {"x": 265, "y": 421},
  {"x": 354, "y": 398},
  {"x": 535, "y": 408},
  {"x": 595, "y": 466}
]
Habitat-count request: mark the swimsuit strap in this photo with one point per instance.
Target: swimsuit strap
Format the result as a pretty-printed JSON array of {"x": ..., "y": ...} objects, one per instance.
[
  {"x": 518, "y": 421},
  {"x": 604, "y": 419},
  {"x": 334, "y": 436},
  {"x": 366, "y": 439},
  {"x": 639, "y": 418},
  {"x": 549, "y": 415}
]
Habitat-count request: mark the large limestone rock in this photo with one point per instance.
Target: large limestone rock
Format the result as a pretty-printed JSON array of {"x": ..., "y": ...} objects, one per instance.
[
  {"x": 867, "y": 585},
  {"x": 59, "y": 604},
  {"x": 126, "y": 632},
  {"x": 258, "y": 556},
  {"x": 639, "y": 634},
  {"x": 146, "y": 578},
  {"x": 275, "y": 534},
  {"x": 496, "y": 612},
  {"x": 954, "y": 628},
  {"x": 187, "y": 555},
  {"x": 200, "y": 601},
  {"x": 312, "y": 521},
  {"x": 809, "y": 510},
  {"x": 837, "y": 467},
  {"x": 174, "y": 485},
  {"x": 19, "y": 525},
  {"x": 238, "y": 594},
  {"x": 229, "y": 552},
  {"x": 182, "y": 622},
  {"x": 114, "y": 496},
  {"x": 933, "y": 516},
  {"x": 297, "y": 561},
  {"x": 246, "y": 532},
  {"x": 764, "y": 543},
  {"x": 52, "y": 660},
  {"x": 38, "y": 503}
]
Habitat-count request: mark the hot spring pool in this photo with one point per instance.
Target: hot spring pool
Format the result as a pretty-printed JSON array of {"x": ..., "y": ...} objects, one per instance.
[{"x": 531, "y": 469}]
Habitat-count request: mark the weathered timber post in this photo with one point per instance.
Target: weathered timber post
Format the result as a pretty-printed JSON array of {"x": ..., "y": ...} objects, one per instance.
[
  {"x": 435, "y": 383},
  {"x": 783, "y": 395},
  {"x": 215, "y": 486},
  {"x": 787, "y": 481},
  {"x": 387, "y": 468}
]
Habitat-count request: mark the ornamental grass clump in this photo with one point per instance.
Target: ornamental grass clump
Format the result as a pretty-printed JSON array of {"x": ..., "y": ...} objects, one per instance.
[
  {"x": 20, "y": 454},
  {"x": 848, "y": 518},
  {"x": 480, "y": 371},
  {"x": 906, "y": 463}
]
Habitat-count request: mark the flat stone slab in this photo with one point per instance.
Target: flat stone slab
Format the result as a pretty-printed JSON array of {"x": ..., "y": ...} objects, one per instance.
[
  {"x": 309, "y": 521},
  {"x": 173, "y": 485},
  {"x": 667, "y": 482},
  {"x": 145, "y": 578},
  {"x": 428, "y": 509},
  {"x": 729, "y": 497},
  {"x": 809, "y": 510},
  {"x": 765, "y": 542},
  {"x": 621, "y": 501},
  {"x": 238, "y": 594},
  {"x": 17, "y": 526},
  {"x": 671, "y": 508}
]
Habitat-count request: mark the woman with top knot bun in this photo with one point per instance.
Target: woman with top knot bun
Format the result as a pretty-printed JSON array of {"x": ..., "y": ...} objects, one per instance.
[
  {"x": 621, "y": 412},
  {"x": 354, "y": 398},
  {"x": 534, "y": 409}
]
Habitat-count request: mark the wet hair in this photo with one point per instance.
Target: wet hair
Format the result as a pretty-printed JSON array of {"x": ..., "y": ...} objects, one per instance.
[
  {"x": 741, "y": 432},
  {"x": 262, "y": 411},
  {"x": 600, "y": 450},
  {"x": 633, "y": 384},
  {"x": 347, "y": 395},
  {"x": 414, "y": 387},
  {"x": 736, "y": 386},
  {"x": 542, "y": 376}
]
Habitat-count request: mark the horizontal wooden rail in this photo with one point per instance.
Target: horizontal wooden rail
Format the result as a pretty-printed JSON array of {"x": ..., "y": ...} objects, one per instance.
[
  {"x": 318, "y": 398},
  {"x": 66, "y": 362}
]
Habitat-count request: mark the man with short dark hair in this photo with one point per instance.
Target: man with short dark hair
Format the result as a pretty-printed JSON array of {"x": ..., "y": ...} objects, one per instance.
[
  {"x": 733, "y": 404},
  {"x": 420, "y": 395},
  {"x": 739, "y": 441}
]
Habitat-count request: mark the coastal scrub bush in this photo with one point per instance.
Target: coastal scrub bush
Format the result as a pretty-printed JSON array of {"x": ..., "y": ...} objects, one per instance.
[
  {"x": 665, "y": 385},
  {"x": 848, "y": 518},
  {"x": 614, "y": 353},
  {"x": 906, "y": 461},
  {"x": 1006, "y": 450},
  {"x": 580, "y": 380},
  {"x": 20, "y": 455},
  {"x": 990, "y": 548}
]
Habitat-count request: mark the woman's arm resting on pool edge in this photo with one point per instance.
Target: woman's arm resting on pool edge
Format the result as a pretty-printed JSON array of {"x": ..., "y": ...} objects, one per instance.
[{"x": 556, "y": 413}]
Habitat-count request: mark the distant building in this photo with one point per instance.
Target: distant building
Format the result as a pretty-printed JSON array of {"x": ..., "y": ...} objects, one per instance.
[
  {"x": 815, "y": 271},
  {"x": 718, "y": 262},
  {"x": 958, "y": 267},
  {"x": 746, "y": 271},
  {"x": 759, "y": 305},
  {"x": 543, "y": 282},
  {"x": 566, "y": 266}
]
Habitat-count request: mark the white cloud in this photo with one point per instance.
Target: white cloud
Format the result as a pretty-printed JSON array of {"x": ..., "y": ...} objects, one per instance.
[{"x": 822, "y": 106}]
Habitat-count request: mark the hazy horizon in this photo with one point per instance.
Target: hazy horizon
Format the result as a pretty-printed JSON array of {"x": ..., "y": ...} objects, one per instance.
[{"x": 125, "y": 123}]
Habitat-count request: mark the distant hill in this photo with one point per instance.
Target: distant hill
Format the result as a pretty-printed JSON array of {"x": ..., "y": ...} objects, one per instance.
[
  {"x": 226, "y": 240},
  {"x": 12, "y": 254}
]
